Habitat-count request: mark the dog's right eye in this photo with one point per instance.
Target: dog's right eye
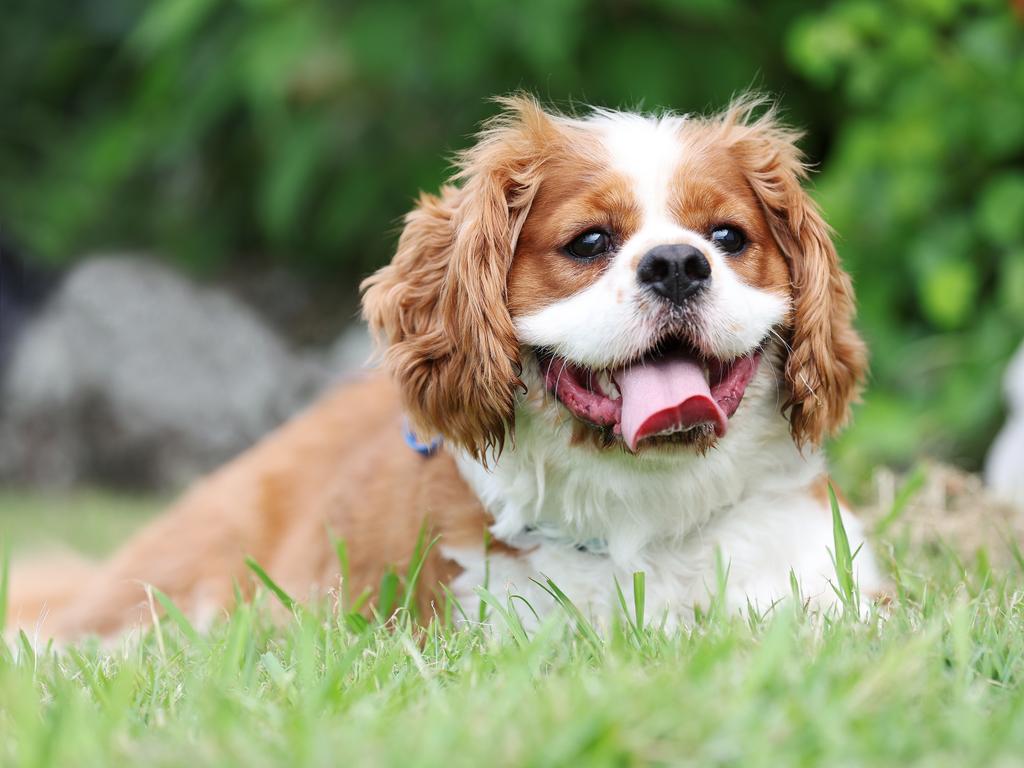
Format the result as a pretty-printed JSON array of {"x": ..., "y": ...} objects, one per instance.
[{"x": 589, "y": 245}]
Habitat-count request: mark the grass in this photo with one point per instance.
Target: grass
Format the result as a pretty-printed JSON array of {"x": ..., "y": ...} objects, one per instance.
[
  {"x": 92, "y": 521},
  {"x": 936, "y": 682}
]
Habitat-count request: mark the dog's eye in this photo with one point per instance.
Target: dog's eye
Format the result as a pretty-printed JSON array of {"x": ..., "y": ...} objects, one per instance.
[
  {"x": 589, "y": 245},
  {"x": 729, "y": 239}
]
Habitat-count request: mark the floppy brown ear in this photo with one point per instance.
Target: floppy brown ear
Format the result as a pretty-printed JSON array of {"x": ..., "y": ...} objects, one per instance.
[
  {"x": 440, "y": 307},
  {"x": 827, "y": 360}
]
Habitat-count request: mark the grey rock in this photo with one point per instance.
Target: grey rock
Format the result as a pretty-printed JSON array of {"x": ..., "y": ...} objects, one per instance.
[
  {"x": 132, "y": 375},
  {"x": 24, "y": 288},
  {"x": 352, "y": 350}
]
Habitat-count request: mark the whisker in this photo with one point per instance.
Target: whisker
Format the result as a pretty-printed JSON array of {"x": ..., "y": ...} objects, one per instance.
[
  {"x": 777, "y": 373},
  {"x": 789, "y": 349},
  {"x": 558, "y": 381},
  {"x": 782, "y": 341},
  {"x": 776, "y": 379}
]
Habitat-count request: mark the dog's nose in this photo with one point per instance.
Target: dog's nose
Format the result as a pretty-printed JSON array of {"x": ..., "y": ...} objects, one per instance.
[{"x": 676, "y": 272}]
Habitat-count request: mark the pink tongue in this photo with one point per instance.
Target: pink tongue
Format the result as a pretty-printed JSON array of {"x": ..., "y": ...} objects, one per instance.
[{"x": 668, "y": 393}]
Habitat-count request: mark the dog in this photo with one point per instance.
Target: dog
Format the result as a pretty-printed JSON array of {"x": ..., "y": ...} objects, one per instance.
[{"x": 611, "y": 343}]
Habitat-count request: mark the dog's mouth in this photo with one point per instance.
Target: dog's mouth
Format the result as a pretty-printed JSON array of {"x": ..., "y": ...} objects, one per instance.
[{"x": 674, "y": 395}]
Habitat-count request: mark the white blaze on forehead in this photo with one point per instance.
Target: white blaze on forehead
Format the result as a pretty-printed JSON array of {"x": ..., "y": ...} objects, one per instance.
[{"x": 646, "y": 150}]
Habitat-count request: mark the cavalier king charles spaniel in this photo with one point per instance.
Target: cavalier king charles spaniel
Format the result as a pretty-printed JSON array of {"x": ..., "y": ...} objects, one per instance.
[{"x": 613, "y": 343}]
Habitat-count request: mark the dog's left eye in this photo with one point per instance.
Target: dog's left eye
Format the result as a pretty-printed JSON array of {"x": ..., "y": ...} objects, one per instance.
[
  {"x": 589, "y": 245},
  {"x": 729, "y": 239}
]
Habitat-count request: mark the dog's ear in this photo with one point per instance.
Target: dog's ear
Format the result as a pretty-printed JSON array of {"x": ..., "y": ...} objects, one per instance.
[
  {"x": 439, "y": 308},
  {"x": 827, "y": 360}
]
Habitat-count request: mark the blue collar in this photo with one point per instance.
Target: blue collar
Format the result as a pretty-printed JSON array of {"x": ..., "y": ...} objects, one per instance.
[{"x": 423, "y": 449}]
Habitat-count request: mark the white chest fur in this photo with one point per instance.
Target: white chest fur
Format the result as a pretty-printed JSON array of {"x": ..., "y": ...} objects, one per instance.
[{"x": 748, "y": 501}]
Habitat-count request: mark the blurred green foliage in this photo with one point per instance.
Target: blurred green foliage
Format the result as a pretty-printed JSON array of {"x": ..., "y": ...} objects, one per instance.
[
  {"x": 250, "y": 133},
  {"x": 300, "y": 130},
  {"x": 924, "y": 182}
]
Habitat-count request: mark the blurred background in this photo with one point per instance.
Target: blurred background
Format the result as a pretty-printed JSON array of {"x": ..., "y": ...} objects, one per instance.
[{"x": 191, "y": 190}]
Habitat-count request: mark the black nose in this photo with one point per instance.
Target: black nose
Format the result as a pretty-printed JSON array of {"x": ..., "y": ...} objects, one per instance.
[{"x": 676, "y": 272}]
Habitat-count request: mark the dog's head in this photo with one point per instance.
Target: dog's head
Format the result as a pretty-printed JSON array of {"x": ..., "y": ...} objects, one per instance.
[{"x": 639, "y": 271}]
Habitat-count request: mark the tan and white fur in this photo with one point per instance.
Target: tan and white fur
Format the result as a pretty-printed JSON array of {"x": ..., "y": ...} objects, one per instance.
[{"x": 477, "y": 298}]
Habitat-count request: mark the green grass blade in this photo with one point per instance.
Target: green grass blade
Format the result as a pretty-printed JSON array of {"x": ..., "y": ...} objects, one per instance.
[
  {"x": 387, "y": 596},
  {"x": 508, "y": 616},
  {"x": 453, "y": 605},
  {"x": 286, "y": 600},
  {"x": 356, "y": 623},
  {"x": 842, "y": 557},
  {"x": 583, "y": 627},
  {"x": 1012, "y": 545},
  {"x": 5, "y": 584},
  {"x": 28, "y": 652},
  {"x": 360, "y": 602},
  {"x": 639, "y": 598},
  {"x": 524, "y": 601},
  {"x": 341, "y": 553},
  {"x": 175, "y": 614},
  {"x": 622, "y": 603},
  {"x": 631, "y": 620},
  {"x": 420, "y": 554},
  {"x": 482, "y": 606},
  {"x": 906, "y": 493},
  {"x": 716, "y": 608}
]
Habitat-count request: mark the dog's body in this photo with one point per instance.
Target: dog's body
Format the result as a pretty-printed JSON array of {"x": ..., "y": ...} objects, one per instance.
[{"x": 631, "y": 333}]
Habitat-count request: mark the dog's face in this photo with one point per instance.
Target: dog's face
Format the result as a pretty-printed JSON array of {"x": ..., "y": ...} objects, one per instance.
[{"x": 639, "y": 272}]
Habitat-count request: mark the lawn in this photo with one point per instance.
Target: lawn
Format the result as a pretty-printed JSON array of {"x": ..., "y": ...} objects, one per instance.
[
  {"x": 90, "y": 521},
  {"x": 934, "y": 681}
]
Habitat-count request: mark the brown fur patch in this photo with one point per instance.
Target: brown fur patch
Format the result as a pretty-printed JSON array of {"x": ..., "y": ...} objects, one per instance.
[
  {"x": 710, "y": 190},
  {"x": 440, "y": 305},
  {"x": 827, "y": 360},
  {"x": 578, "y": 193}
]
